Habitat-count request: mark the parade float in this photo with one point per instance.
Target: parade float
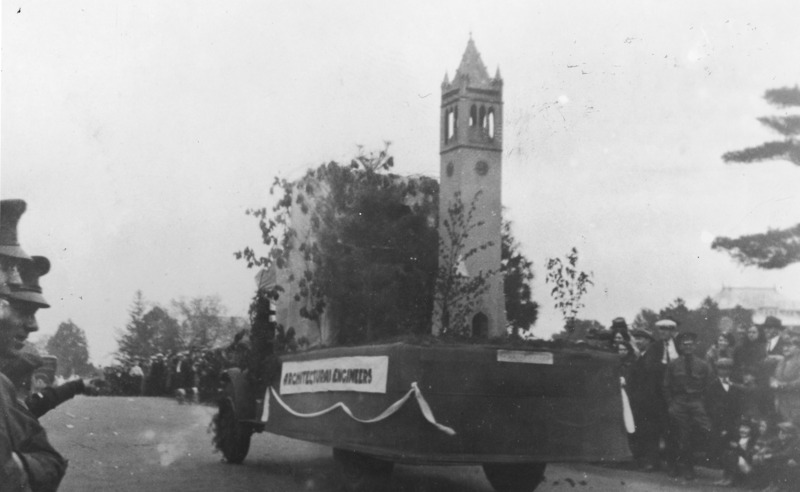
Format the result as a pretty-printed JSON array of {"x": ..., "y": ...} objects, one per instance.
[{"x": 381, "y": 384}]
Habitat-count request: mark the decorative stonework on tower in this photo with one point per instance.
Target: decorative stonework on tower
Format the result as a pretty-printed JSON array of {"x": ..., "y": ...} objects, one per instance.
[{"x": 471, "y": 145}]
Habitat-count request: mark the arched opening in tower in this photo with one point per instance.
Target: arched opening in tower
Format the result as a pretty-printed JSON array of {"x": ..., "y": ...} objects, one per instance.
[{"x": 480, "y": 326}]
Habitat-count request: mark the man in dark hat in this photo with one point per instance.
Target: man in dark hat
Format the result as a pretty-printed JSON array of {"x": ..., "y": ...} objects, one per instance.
[
  {"x": 27, "y": 459},
  {"x": 773, "y": 331},
  {"x": 686, "y": 382}
]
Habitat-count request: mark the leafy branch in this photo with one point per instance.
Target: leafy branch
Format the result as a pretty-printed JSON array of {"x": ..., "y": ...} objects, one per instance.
[
  {"x": 457, "y": 291},
  {"x": 569, "y": 286}
]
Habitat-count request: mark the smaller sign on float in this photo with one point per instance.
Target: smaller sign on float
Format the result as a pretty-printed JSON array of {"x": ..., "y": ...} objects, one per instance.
[
  {"x": 361, "y": 374},
  {"x": 523, "y": 357}
]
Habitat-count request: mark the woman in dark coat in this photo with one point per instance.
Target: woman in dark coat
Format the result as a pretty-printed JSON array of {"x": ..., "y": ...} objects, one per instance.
[
  {"x": 749, "y": 356},
  {"x": 748, "y": 361}
]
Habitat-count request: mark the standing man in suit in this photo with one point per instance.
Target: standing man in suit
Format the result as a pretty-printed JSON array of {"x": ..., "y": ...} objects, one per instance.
[
  {"x": 724, "y": 407},
  {"x": 644, "y": 391},
  {"x": 665, "y": 352}
]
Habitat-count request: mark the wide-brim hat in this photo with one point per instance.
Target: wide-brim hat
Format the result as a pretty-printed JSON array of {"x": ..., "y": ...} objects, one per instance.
[
  {"x": 788, "y": 427},
  {"x": 29, "y": 290},
  {"x": 10, "y": 213},
  {"x": 772, "y": 322}
]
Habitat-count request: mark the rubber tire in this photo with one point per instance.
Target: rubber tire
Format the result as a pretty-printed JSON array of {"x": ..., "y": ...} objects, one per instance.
[
  {"x": 360, "y": 472},
  {"x": 512, "y": 477},
  {"x": 233, "y": 437}
]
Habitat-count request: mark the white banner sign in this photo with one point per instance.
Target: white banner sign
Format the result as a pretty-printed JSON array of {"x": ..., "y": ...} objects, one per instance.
[{"x": 362, "y": 374}]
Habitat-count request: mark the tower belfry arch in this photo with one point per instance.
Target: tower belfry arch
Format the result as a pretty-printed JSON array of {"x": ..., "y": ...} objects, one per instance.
[{"x": 470, "y": 149}]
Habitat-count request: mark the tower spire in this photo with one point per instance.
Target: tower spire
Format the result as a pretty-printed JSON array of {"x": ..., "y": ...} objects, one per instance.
[{"x": 472, "y": 67}]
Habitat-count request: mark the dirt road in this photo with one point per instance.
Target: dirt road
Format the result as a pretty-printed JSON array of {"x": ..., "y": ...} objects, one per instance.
[{"x": 153, "y": 445}]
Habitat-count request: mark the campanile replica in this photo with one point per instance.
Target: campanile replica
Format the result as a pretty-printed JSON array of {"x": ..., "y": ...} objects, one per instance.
[{"x": 471, "y": 147}]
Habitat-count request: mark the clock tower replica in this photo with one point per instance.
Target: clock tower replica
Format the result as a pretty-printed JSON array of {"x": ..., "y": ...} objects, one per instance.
[{"x": 471, "y": 147}]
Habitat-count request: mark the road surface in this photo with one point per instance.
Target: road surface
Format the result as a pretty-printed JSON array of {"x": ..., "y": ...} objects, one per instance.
[{"x": 153, "y": 444}]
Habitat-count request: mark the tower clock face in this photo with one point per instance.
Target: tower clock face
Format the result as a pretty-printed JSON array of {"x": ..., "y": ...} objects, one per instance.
[
  {"x": 481, "y": 168},
  {"x": 449, "y": 169}
]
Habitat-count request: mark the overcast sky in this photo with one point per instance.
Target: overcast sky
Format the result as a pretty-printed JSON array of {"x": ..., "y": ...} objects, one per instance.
[{"x": 139, "y": 132}]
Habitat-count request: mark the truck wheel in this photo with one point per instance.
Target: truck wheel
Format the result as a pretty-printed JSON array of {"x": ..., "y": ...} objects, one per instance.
[
  {"x": 512, "y": 477},
  {"x": 231, "y": 437},
  {"x": 360, "y": 472}
]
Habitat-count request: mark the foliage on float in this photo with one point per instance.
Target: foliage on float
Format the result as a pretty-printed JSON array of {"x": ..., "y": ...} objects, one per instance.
[{"x": 360, "y": 245}]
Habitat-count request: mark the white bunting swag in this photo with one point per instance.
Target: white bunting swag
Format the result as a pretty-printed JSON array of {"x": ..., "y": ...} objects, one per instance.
[{"x": 393, "y": 408}]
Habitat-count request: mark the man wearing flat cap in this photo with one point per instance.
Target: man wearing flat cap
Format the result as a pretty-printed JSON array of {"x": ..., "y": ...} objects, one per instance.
[
  {"x": 686, "y": 382},
  {"x": 28, "y": 462},
  {"x": 666, "y": 330},
  {"x": 650, "y": 368}
]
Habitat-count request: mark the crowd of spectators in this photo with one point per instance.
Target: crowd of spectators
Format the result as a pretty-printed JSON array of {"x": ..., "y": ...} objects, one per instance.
[
  {"x": 190, "y": 376},
  {"x": 736, "y": 407}
]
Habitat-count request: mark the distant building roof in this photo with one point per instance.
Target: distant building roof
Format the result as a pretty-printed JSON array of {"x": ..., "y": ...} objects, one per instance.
[
  {"x": 763, "y": 301},
  {"x": 754, "y": 298}
]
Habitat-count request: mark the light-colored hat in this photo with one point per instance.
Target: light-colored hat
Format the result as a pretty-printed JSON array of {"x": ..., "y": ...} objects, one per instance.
[{"x": 666, "y": 323}]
